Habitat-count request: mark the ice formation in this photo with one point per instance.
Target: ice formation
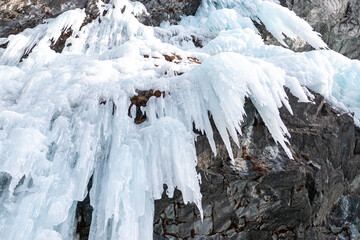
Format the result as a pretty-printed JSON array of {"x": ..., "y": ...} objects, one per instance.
[{"x": 64, "y": 117}]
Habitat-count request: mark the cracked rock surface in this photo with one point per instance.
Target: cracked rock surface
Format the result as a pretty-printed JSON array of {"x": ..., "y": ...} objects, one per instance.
[{"x": 269, "y": 196}]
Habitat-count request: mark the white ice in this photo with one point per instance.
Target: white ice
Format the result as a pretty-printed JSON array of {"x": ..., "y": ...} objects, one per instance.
[{"x": 64, "y": 116}]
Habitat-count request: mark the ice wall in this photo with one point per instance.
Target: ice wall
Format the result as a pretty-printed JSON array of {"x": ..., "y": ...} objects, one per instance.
[{"x": 64, "y": 117}]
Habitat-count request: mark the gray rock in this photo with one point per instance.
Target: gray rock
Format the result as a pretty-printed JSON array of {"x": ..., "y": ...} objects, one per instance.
[
  {"x": 168, "y": 10},
  {"x": 204, "y": 227},
  {"x": 275, "y": 197},
  {"x": 338, "y": 21},
  {"x": 5, "y": 179},
  {"x": 345, "y": 216},
  {"x": 17, "y": 15}
]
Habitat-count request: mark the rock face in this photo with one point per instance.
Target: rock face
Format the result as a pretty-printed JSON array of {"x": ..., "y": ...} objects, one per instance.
[
  {"x": 17, "y": 15},
  {"x": 266, "y": 195},
  {"x": 171, "y": 10},
  {"x": 338, "y": 21}
]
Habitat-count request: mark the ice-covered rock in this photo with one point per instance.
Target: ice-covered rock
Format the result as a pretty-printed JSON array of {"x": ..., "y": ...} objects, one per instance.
[
  {"x": 119, "y": 101},
  {"x": 267, "y": 195}
]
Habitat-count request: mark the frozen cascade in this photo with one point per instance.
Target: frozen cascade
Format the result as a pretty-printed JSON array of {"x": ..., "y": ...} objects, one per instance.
[{"x": 64, "y": 117}]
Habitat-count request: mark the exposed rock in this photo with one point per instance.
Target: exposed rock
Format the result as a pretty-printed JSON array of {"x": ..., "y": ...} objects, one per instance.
[
  {"x": 344, "y": 219},
  {"x": 17, "y": 15},
  {"x": 271, "y": 196},
  {"x": 140, "y": 100},
  {"x": 168, "y": 10},
  {"x": 83, "y": 216},
  {"x": 338, "y": 21}
]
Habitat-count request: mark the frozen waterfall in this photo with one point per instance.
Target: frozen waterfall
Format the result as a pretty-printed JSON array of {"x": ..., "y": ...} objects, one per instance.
[{"x": 66, "y": 117}]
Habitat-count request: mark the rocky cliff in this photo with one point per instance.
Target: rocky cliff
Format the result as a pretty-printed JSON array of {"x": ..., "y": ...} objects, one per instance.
[
  {"x": 338, "y": 21},
  {"x": 265, "y": 195}
]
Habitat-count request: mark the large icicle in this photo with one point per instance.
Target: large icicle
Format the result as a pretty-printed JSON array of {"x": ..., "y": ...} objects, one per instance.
[{"x": 279, "y": 21}]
